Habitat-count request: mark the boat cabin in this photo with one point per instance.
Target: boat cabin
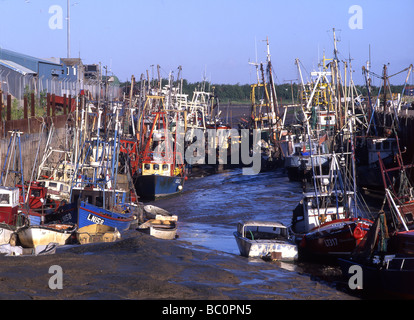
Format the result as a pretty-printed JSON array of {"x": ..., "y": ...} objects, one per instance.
[
  {"x": 326, "y": 120},
  {"x": 95, "y": 196},
  {"x": 162, "y": 169},
  {"x": 57, "y": 190},
  {"x": 387, "y": 147},
  {"x": 262, "y": 230},
  {"x": 9, "y": 204},
  {"x": 37, "y": 197},
  {"x": 64, "y": 172},
  {"x": 312, "y": 211}
]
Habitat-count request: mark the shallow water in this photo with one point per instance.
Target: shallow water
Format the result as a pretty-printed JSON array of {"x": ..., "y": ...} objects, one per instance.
[{"x": 210, "y": 207}]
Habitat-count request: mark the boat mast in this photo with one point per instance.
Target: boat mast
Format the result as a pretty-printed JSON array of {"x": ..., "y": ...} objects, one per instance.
[{"x": 273, "y": 98}]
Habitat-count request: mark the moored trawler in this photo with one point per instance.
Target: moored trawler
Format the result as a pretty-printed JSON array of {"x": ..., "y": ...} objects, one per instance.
[
  {"x": 160, "y": 175},
  {"x": 156, "y": 181}
]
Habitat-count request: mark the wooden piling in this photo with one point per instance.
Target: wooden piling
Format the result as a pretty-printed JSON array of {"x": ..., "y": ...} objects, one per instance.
[
  {"x": 32, "y": 105},
  {"x": 8, "y": 118},
  {"x": 48, "y": 105},
  {"x": 25, "y": 107},
  {"x": 1, "y": 102},
  {"x": 64, "y": 103},
  {"x": 53, "y": 105}
]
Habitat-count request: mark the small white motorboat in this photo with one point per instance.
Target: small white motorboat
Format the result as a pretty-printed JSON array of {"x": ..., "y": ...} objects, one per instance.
[
  {"x": 264, "y": 238},
  {"x": 37, "y": 235}
]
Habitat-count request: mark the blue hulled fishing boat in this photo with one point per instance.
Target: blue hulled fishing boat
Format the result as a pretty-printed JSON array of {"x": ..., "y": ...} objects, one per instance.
[
  {"x": 160, "y": 175},
  {"x": 93, "y": 187}
]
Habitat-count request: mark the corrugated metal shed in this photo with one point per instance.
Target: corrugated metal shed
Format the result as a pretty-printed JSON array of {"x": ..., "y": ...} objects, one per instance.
[
  {"x": 23, "y": 59},
  {"x": 16, "y": 67}
]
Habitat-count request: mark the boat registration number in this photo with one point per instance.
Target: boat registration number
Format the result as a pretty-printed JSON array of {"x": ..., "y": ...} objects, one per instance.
[
  {"x": 331, "y": 242},
  {"x": 95, "y": 219}
]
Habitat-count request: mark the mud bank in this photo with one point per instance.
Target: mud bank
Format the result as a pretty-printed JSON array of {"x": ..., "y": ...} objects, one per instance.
[{"x": 142, "y": 267}]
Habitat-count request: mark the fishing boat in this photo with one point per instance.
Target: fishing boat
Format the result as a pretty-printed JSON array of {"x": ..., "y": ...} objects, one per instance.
[
  {"x": 261, "y": 238},
  {"x": 37, "y": 235},
  {"x": 56, "y": 190},
  {"x": 299, "y": 165},
  {"x": 332, "y": 218},
  {"x": 90, "y": 213},
  {"x": 329, "y": 221},
  {"x": 40, "y": 208},
  {"x": 387, "y": 270},
  {"x": 368, "y": 152},
  {"x": 160, "y": 175},
  {"x": 379, "y": 138},
  {"x": 94, "y": 190},
  {"x": 265, "y": 116}
]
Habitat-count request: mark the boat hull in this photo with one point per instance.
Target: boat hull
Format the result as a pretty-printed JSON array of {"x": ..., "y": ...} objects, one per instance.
[
  {"x": 66, "y": 213},
  {"x": 161, "y": 232},
  {"x": 8, "y": 215},
  {"x": 6, "y": 233},
  {"x": 151, "y": 187},
  {"x": 162, "y": 227},
  {"x": 300, "y": 168},
  {"x": 261, "y": 248},
  {"x": 396, "y": 279},
  {"x": 337, "y": 238},
  {"x": 97, "y": 233},
  {"x": 89, "y": 214},
  {"x": 33, "y": 236}
]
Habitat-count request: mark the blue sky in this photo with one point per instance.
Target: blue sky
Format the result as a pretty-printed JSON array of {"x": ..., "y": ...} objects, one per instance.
[{"x": 212, "y": 37}]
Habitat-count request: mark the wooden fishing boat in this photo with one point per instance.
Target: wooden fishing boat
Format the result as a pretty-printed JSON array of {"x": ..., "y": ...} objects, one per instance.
[
  {"x": 162, "y": 227},
  {"x": 97, "y": 233},
  {"x": 261, "y": 238},
  {"x": 33, "y": 236}
]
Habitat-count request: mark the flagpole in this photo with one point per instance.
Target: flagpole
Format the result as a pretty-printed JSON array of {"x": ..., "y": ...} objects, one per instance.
[{"x": 68, "y": 18}]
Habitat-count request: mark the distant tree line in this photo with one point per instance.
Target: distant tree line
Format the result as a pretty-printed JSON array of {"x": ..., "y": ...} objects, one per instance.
[{"x": 241, "y": 92}]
